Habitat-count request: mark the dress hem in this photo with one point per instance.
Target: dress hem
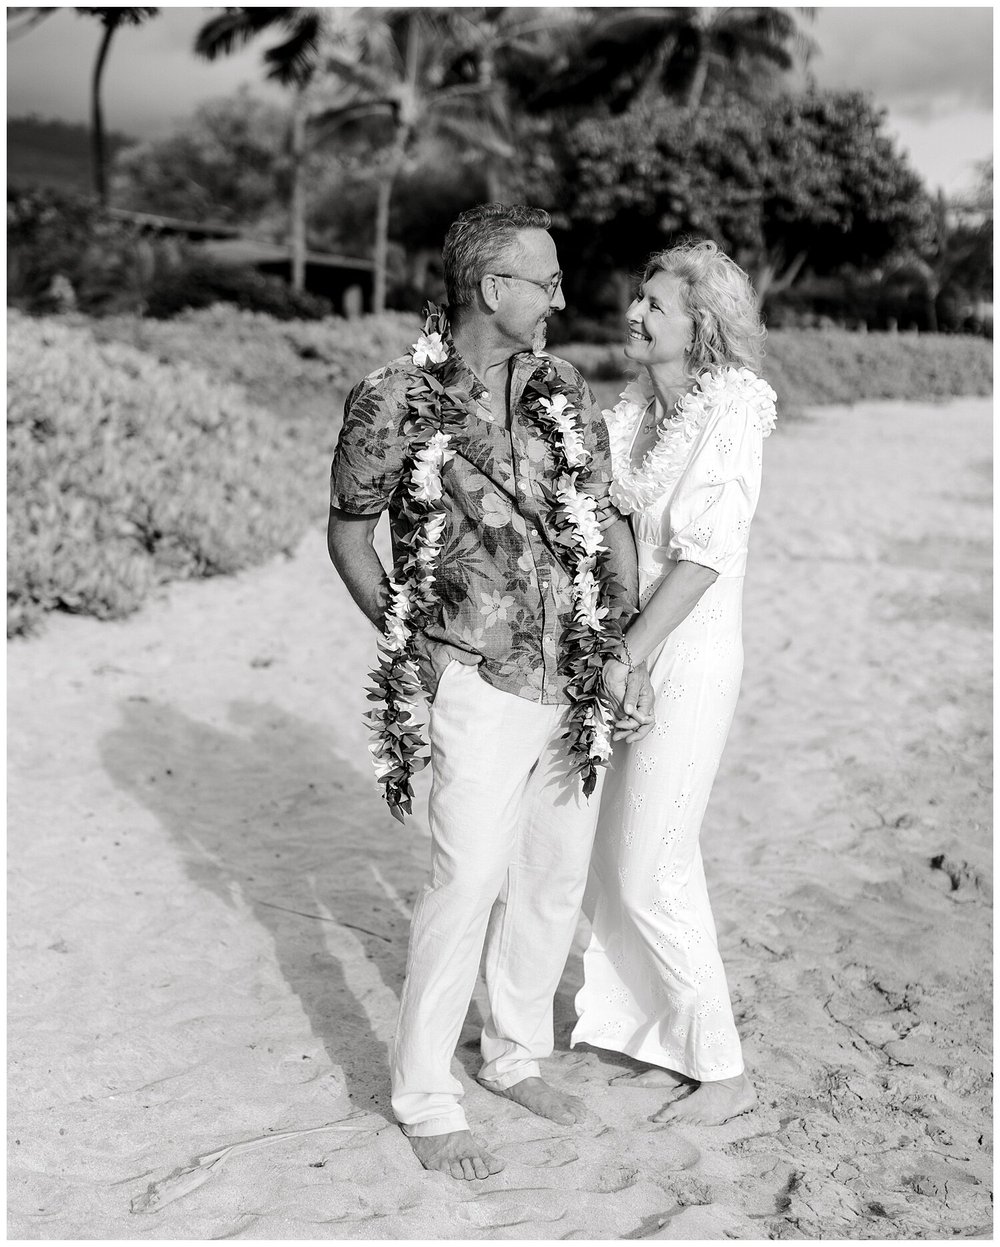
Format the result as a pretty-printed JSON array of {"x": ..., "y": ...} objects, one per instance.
[{"x": 638, "y": 1052}]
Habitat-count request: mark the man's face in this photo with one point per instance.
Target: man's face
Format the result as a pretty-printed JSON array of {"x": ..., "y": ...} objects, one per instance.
[{"x": 524, "y": 307}]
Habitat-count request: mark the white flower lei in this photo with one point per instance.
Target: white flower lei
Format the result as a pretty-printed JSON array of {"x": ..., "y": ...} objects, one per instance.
[
  {"x": 396, "y": 737},
  {"x": 577, "y": 510},
  {"x": 635, "y": 488},
  {"x": 580, "y": 510}
]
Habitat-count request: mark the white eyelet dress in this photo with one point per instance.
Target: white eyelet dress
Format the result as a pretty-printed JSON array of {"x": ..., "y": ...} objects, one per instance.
[{"x": 654, "y": 986}]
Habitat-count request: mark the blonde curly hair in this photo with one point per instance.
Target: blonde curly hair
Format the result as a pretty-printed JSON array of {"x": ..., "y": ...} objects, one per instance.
[{"x": 719, "y": 298}]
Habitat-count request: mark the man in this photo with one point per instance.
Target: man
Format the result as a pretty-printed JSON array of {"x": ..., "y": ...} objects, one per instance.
[{"x": 511, "y": 830}]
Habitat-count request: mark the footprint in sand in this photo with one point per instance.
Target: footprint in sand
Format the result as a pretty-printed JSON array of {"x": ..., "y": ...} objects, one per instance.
[
  {"x": 506, "y": 1208},
  {"x": 671, "y": 1144},
  {"x": 618, "y": 1178},
  {"x": 547, "y": 1153}
]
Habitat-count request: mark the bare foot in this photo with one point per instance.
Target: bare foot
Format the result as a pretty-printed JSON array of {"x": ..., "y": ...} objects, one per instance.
[
  {"x": 652, "y": 1077},
  {"x": 538, "y": 1097},
  {"x": 456, "y": 1153},
  {"x": 711, "y": 1103}
]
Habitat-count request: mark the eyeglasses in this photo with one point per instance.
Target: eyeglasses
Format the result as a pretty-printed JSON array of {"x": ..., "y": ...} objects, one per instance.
[{"x": 550, "y": 287}]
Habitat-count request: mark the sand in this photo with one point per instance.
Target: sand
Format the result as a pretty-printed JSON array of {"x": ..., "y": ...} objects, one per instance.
[{"x": 209, "y": 906}]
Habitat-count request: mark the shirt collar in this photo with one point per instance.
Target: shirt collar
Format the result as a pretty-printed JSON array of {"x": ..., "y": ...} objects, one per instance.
[{"x": 522, "y": 365}]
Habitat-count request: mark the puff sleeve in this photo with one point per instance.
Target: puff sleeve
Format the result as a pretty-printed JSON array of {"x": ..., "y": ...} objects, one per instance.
[{"x": 708, "y": 517}]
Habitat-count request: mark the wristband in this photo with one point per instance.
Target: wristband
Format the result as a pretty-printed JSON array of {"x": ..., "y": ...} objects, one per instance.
[{"x": 628, "y": 656}]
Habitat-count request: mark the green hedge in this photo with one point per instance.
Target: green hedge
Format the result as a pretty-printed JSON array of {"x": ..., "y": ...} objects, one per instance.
[{"x": 124, "y": 472}]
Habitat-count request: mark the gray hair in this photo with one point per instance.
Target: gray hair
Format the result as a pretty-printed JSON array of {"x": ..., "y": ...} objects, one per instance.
[
  {"x": 479, "y": 240},
  {"x": 719, "y": 299}
]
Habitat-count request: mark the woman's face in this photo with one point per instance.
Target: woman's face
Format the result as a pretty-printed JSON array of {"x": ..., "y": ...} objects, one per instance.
[{"x": 659, "y": 329}]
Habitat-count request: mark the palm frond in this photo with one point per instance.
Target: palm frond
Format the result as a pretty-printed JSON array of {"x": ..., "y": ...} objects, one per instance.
[
  {"x": 21, "y": 20},
  {"x": 223, "y": 34}
]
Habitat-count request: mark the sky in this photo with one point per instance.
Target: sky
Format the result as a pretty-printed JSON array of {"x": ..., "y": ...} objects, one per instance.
[{"x": 931, "y": 68}]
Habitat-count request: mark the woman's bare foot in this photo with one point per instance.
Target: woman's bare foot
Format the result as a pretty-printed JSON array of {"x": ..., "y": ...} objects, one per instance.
[
  {"x": 652, "y": 1077},
  {"x": 457, "y": 1154},
  {"x": 538, "y": 1097},
  {"x": 711, "y": 1103}
]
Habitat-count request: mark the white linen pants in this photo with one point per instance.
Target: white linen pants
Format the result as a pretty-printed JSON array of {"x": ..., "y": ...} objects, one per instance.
[{"x": 511, "y": 835}]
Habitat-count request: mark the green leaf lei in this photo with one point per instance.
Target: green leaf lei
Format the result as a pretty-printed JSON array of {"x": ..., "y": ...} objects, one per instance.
[{"x": 438, "y": 403}]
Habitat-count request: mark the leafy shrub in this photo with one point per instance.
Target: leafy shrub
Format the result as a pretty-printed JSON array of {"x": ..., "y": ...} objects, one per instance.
[
  {"x": 124, "y": 472},
  {"x": 200, "y": 283},
  {"x": 299, "y": 370},
  {"x": 815, "y": 366}
]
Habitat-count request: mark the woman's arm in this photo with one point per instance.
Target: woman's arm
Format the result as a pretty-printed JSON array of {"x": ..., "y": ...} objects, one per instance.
[{"x": 675, "y": 599}]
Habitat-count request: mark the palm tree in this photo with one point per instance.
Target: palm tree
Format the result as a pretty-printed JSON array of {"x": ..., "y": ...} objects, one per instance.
[
  {"x": 493, "y": 46},
  {"x": 630, "y": 55},
  {"x": 396, "y": 78},
  {"x": 112, "y": 20},
  {"x": 294, "y": 63},
  {"x": 740, "y": 41}
]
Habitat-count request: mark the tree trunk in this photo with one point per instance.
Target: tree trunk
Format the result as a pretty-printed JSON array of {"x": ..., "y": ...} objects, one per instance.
[
  {"x": 652, "y": 83},
  {"x": 696, "y": 87},
  {"x": 933, "y": 290},
  {"x": 97, "y": 144},
  {"x": 383, "y": 202},
  {"x": 766, "y": 279},
  {"x": 297, "y": 204},
  {"x": 380, "y": 251},
  {"x": 387, "y": 179},
  {"x": 494, "y": 181}
]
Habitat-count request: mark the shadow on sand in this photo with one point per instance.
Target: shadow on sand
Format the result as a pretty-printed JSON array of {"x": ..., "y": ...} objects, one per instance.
[{"x": 268, "y": 812}]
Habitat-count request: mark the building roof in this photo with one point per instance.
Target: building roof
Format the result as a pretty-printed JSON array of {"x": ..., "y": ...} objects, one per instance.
[
  {"x": 228, "y": 245},
  {"x": 252, "y": 251},
  {"x": 176, "y": 225}
]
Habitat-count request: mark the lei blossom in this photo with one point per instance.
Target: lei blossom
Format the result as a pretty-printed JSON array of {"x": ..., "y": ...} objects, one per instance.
[{"x": 434, "y": 404}]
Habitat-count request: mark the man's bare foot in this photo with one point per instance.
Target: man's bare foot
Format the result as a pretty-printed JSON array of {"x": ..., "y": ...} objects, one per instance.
[
  {"x": 538, "y": 1097},
  {"x": 711, "y": 1103},
  {"x": 652, "y": 1077},
  {"x": 457, "y": 1154}
]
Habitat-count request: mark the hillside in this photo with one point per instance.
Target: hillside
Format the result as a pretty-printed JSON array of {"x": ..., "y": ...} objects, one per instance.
[{"x": 52, "y": 153}]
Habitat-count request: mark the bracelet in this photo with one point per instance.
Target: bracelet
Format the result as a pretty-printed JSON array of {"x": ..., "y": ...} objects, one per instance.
[{"x": 628, "y": 655}]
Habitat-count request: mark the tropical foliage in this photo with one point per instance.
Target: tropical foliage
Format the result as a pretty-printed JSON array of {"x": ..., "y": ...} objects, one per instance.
[
  {"x": 633, "y": 124},
  {"x": 800, "y": 180}
]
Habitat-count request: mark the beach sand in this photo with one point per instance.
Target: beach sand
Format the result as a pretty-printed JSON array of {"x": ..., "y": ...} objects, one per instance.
[{"x": 209, "y": 904}]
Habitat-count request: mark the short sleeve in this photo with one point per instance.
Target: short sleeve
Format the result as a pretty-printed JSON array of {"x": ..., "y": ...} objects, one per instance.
[
  {"x": 709, "y": 514},
  {"x": 369, "y": 460}
]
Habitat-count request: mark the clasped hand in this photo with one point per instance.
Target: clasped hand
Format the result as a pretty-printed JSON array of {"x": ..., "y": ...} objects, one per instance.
[{"x": 633, "y": 697}]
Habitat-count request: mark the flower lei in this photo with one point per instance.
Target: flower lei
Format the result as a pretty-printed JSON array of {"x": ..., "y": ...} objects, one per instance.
[
  {"x": 594, "y": 633},
  {"x": 635, "y": 488},
  {"x": 436, "y": 404}
]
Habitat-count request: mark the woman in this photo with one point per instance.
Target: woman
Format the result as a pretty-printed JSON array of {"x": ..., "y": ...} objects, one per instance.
[{"x": 686, "y": 441}]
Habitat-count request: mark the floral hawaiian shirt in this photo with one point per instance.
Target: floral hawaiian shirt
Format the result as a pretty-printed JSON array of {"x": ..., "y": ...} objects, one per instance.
[{"x": 503, "y": 581}]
